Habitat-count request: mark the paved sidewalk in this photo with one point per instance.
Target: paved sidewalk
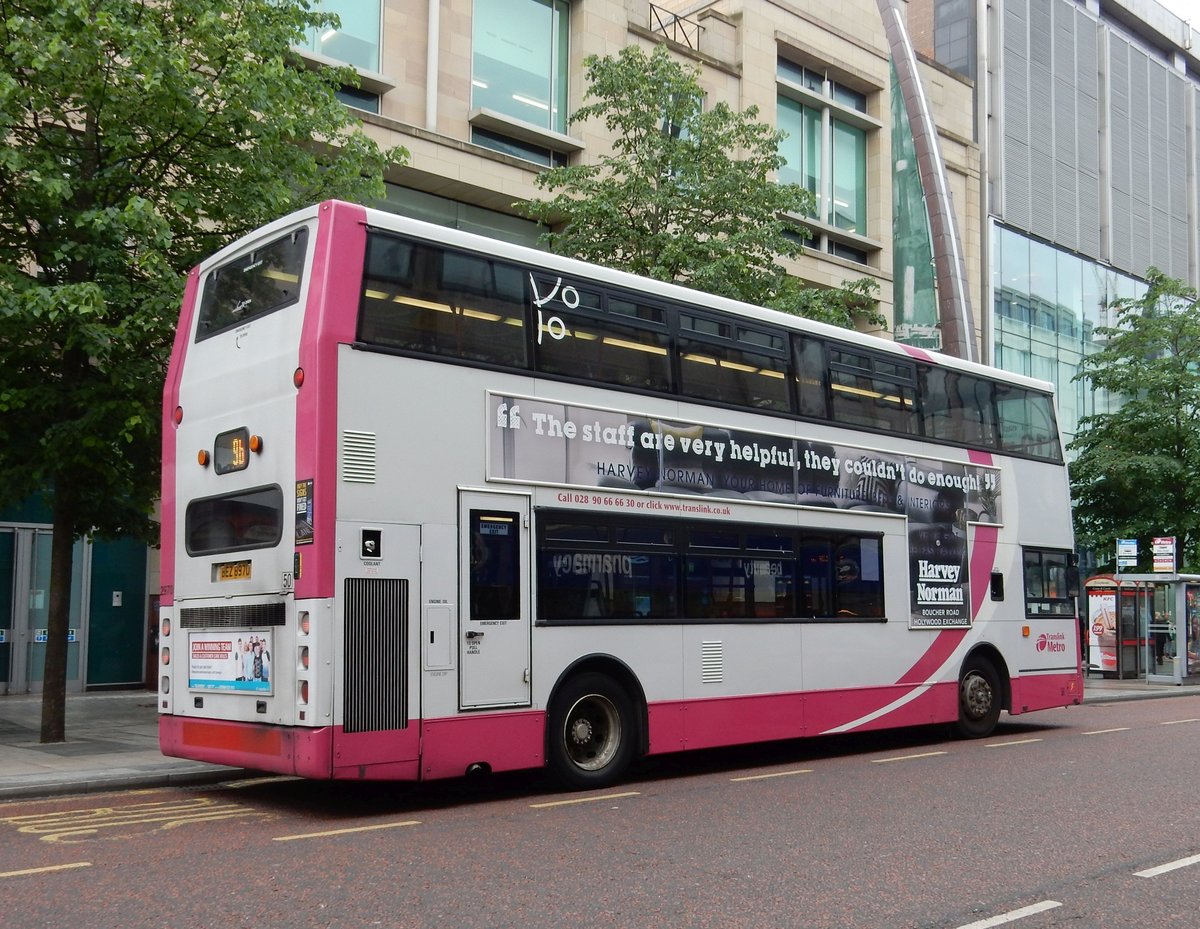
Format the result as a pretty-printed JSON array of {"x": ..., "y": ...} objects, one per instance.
[{"x": 112, "y": 742}]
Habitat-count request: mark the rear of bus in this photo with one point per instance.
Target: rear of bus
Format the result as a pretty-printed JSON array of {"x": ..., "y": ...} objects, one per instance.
[{"x": 234, "y": 680}]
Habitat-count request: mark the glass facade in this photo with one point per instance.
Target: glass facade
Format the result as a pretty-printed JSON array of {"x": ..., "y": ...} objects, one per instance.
[
  {"x": 519, "y": 60},
  {"x": 825, "y": 155},
  {"x": 1047, "y": 304},
  {"x": 914, "y": 296},
  {"x": 356, "y": 41}
]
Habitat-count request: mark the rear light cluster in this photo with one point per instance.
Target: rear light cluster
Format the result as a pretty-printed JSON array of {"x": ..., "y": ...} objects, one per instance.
[
  {"x": 303, "y": 631},
  {"x": 164, "y": 638}
]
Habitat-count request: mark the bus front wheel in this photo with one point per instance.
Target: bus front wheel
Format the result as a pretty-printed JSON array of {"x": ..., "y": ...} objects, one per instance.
[
  {"x": 592, "y": 733},
  {"x": 979, "y": 699}
]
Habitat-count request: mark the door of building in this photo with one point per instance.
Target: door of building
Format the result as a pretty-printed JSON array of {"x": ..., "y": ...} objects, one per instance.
[{"x": 25, "y": 610}]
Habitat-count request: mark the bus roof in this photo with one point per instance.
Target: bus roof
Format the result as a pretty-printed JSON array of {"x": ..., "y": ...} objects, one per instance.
[{"x": 470, "y": 241}]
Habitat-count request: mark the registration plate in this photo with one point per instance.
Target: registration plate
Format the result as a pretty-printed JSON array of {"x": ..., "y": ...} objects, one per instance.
[{"x": 232, "y": 571}]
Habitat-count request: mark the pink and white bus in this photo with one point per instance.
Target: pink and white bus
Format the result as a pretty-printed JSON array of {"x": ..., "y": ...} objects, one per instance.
[{"x": 435, "y": 504}]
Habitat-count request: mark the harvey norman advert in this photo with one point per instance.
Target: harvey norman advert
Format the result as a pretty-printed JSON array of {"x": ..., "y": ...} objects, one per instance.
[{"x": 612, "y": 451}]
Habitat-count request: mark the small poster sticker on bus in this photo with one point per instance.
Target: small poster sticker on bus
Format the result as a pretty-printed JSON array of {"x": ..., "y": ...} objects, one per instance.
[
  {"x": 237, "y": 662},
  {"x": 304, "y": 513}
]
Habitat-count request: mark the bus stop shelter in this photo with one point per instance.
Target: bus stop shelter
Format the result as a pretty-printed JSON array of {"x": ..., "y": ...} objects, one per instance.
[{"x": 1144, "y": 626}]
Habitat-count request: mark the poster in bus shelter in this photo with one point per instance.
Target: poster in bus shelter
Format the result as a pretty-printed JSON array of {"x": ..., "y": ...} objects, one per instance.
[
  {"x": 539, "y": 441},
  {"x": 235, "y": 662},
  {"x": 1102, "y": 630}
]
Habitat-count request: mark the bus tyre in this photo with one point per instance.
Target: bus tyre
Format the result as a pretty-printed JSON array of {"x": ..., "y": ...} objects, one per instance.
[
  {"x": 592, "y": 732},
  {"x": 979, "y": 698}
]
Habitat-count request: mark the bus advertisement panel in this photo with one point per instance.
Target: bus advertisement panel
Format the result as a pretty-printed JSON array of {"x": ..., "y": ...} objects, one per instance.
[{"x": 534, "y": 440}]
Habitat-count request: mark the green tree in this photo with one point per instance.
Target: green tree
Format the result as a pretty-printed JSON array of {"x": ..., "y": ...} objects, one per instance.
[
  {"x": 686, "y": 193},
  {"x": 1136, "y": 473},
  {"x": 139, "y": 135}
]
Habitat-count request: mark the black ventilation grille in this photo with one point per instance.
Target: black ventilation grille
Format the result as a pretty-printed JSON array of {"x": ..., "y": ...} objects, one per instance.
[
  {"x": 376, "y": 670},
  {"x": 233, "y": 617}
]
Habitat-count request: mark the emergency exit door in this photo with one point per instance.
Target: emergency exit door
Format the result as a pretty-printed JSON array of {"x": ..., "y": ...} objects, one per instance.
[{"x": 494, "y": 624}]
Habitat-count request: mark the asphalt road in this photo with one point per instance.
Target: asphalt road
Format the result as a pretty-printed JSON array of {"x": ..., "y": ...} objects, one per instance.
[{"x": 1084, "y": 817}]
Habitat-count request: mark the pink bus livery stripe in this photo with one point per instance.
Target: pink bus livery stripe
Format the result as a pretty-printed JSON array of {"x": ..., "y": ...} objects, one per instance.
[
  {"x": 514, "y": 740},
  {"x": 919, "y": 353},
  {"x": 341, "y": 242},
  {"x": 983, "y": 559},
  {"x": 169, "y": 459}
]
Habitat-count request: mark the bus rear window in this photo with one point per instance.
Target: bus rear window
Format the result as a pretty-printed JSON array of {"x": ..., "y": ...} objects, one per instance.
[
  {"x": 252, "y": 285},
  {"x": 232, "y": 522}
]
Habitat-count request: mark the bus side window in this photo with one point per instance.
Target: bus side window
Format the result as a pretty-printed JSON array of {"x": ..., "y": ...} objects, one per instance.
[
  {"x": 732, "y": 364},
  {"x": 495, "y": 565},
  {"x": 812, "y": 377}
]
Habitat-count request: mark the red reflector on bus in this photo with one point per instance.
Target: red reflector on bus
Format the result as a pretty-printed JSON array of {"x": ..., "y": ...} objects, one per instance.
[
  {"x": 298, "y": 377},
  {"x": 235, "y": 737},
  {"x": 178, "y": 415}
]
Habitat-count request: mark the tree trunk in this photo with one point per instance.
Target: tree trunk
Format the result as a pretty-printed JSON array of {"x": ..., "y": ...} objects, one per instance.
[{"x": 54, "y": 677}]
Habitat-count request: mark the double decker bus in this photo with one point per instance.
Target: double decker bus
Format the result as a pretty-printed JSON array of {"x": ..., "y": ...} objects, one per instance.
[{"x": 436, "y": 504}]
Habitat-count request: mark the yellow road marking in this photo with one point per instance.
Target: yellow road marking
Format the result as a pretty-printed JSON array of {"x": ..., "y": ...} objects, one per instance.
[
  {"x": 907, "y": 757},
  {"x": 347, "y": 831},
  {"x": 259, "y": 781},
  {"x": 763, "y": 777},
  {"x": 47, "y": 869},
  {"x": 77, "y": 825},
  {"x": 547, "y": 805},
  {"x": 1013, "y": 742}
]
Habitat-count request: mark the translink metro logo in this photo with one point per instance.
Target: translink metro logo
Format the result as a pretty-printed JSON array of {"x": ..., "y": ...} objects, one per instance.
[{"x": 1052, "y": 642}]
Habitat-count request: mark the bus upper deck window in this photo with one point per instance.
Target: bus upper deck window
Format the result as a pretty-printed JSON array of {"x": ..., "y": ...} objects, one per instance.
[{"x": 253, "y": 284}]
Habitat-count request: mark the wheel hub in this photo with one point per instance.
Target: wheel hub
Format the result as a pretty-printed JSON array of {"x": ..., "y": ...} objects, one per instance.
[
  {"x": 976, "y": 696},
  {"x": 581, "y": 731}
]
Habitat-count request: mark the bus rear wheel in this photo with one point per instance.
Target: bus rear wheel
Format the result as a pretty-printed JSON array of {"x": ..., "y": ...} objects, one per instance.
[
  {"x": 979, "y": 699},
  {"x": 592, "y": 732}
]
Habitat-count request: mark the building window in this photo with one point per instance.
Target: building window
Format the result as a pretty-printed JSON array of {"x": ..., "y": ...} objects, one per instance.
[
  {"x": 849, "y": 179},
  {"x": 519, "y": 61},
  {"x": 359, "y": 99},
  {"x": 356, "y": 41},
  {"x": 825, "y": 147},
  {"x": 801, "y": 148},
  {"x": 518, "y": 148}
]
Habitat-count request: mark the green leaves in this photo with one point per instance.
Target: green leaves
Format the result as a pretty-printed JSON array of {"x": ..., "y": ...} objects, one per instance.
[
  {"x": 686, "y": 194},
  {"x": 140, "y": 136},
  {"x": 1136, "y": 473}
]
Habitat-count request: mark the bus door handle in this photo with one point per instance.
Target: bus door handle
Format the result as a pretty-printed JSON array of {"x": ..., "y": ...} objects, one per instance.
[{"x": 474, "y": 635}]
